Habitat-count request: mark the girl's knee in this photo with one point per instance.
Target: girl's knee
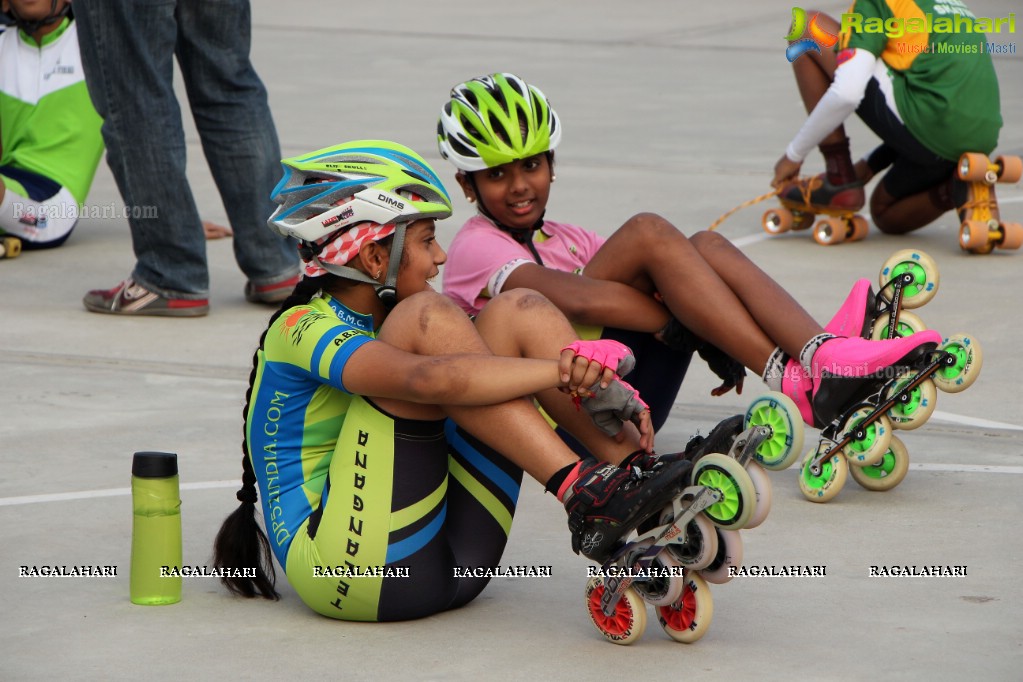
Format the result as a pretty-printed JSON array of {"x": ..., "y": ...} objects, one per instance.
[
  {"x": 706, "y": 240},
  {"x": 516, "y": 303},
  {"x": 650, "y": 228},
  {"x": 424, "y": 315}
]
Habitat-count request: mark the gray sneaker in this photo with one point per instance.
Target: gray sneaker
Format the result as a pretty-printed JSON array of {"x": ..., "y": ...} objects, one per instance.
[{"x": 131, "y": 298}]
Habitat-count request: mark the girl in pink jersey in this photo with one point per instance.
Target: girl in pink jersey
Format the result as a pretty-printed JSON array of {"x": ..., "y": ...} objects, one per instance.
[{"x": 648, "y": 285}]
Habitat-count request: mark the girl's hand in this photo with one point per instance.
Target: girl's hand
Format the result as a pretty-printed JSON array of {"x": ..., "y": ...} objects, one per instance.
[
  {"x": 785, "y": 170},
  {"x": 583, "y": 363}
]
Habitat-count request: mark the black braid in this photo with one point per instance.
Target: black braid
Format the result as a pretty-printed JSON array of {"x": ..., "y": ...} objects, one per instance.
[{"x": 241, "y": 542}]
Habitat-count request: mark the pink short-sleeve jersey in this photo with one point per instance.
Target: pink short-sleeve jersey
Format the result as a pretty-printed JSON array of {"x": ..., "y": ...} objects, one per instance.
[{"x": 481, "y": 256}]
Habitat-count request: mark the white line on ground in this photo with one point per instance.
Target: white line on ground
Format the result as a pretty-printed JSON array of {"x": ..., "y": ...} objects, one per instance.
[
  {"x": 109, "y": 492},
  {"x": 973, "y": 421},
  {"x": 968, "y": 468},
  {"x": 205, "y": 485}
]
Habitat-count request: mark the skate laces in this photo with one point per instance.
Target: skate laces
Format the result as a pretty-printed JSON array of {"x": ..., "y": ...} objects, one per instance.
[{"x": 807, "y": 186}]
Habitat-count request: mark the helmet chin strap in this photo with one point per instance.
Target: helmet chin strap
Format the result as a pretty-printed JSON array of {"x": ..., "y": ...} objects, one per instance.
[
  {"x": 522, "y": 236},
  {"x": 30, "y": 27},
  {"x": 386, "y": 292}
]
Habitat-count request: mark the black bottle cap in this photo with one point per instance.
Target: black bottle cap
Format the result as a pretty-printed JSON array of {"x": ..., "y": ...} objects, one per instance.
[{"x": 154, "y": 464}]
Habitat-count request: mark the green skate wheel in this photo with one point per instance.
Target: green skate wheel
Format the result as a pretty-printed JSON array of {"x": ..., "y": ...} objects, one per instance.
[
  {"x": 688, "y": 619},
  {"x": 872, "y": 442},
  {"x": 700, "y": 547},
  {"x": 916, "y": 408},
  {"x": 823, "y": 487},
  {"x": 779, "y": 412},
  {"x": 729, "y": 555},
  {"x": 908, "y": 324},
  {"x": 965, "y": 367},
  {"x": 728, "y": 477},
  {"x": 626, "y": 624},
  {"x": 661, "y": 589},
  {"x": 887, "y": 473},
  {"x": 762, "y": 486},
  {"x": 923, "y": 270}
]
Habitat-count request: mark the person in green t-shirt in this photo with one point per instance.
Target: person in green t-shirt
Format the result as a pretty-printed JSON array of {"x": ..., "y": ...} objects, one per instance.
[
  {"x": 930, "y": 94},
  {"x": 50, "y": 141}
]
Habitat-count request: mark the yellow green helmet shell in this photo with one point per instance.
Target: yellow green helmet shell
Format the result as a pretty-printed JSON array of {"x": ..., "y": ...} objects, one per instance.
[{"x": 496, "y": 119}]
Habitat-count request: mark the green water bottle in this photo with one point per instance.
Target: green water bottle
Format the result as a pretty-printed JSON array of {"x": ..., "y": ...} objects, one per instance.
[{"x": 156, "y": 529}]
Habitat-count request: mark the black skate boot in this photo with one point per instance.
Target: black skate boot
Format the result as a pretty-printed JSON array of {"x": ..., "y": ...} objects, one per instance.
[{"x": 608, "y": 501}]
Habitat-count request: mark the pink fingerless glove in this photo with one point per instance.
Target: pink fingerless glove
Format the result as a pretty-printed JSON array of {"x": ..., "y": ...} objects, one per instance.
[{"x": 606, "y": 352}]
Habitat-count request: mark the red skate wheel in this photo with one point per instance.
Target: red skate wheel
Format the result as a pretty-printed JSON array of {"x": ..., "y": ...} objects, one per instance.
[
  {"x": 1013, "y": 238},
  {"x": 972, "y": 167},
  {"x": 1011, "y": 167},
  {"x": 628, "y": 621},
  {"x": 687, "y": 619}
]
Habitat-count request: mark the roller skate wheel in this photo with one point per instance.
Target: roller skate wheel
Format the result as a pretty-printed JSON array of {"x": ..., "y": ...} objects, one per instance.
[
  {"x": 964, "y": 368},
  {"x": 860, "y": 228},
  {"x": 777, "y": 220},
  {"x": 973, "y": 167},
  {"x": 907, "y": 325},
  {"x": 626, "y": 624},
  {"x": 778, "y": 412},
  {"x": 887, "y": 473},
  {"x": 920, "y": 267},
  {"x": 1011, "y": 168},
  {"x": 1012, "y": 236},
  {"x": 688, "y": 619},
  {"x": 974, "y": 237},
  {"x": 830, "y": 231},
  {"x": 700, "y": 547},
  {"x": 762, "y": 485},
  {"x": 729, "y": 556},
  {"x": 916, "y": 408},
  {"x": 872, "y": 440},
  {"x": 823, "y": 487},
  {"x": 661, "y": 589},
  {"x": 728, "y": 477},
  {"x": 10, "y": 247}
]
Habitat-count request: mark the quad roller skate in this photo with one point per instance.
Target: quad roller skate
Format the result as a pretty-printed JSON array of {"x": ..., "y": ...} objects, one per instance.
[
  {"x": 695, "y": 540},
  {"x": 982, "y": 228},
  {"x": 10, "y": 246},
  {"x": 859, "y": 441},
  {"x": 804, "y": 199}
]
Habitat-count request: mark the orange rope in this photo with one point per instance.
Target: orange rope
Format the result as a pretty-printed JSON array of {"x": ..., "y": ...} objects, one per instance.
[
  {"x": 806, "y": 186},
  {"x": 762, "y": 197}
]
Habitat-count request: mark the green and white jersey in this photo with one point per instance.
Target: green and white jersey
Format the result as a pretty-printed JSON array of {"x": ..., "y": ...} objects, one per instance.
[
  {"x": 47, "y": 122},
  {"x": 943, "y": 79}
]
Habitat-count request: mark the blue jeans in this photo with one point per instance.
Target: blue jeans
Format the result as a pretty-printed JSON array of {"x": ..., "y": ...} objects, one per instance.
[{"x": 128, "y": 49}]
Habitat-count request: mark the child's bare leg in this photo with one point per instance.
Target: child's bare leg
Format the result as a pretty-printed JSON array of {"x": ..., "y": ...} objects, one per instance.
[
  {"x": 709, "y": 298},
  {"x": 430, "y": 324},
  {"x": 522, "y": 323},
  {"x": 782, "y": 319}
]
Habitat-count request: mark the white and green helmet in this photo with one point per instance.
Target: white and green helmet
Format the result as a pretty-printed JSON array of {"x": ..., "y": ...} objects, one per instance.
[{"x": 496, "y": 119}]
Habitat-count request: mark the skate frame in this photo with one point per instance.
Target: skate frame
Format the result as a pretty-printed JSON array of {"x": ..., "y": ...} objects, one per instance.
[
  {"x": 743, "y": 448},
  {"x": 939, "y": 360},
  {"x": 700, "y": 498}
]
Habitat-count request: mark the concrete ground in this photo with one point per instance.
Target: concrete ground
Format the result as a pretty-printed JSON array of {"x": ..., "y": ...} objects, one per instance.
[{"x": 667, "y": 108}]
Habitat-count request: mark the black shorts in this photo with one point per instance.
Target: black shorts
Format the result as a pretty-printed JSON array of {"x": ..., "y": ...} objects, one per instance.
[{"x": 915, "y": 168}]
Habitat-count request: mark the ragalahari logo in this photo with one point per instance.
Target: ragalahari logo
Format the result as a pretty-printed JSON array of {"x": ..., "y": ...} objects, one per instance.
[{"x": 818, "y": 36}]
